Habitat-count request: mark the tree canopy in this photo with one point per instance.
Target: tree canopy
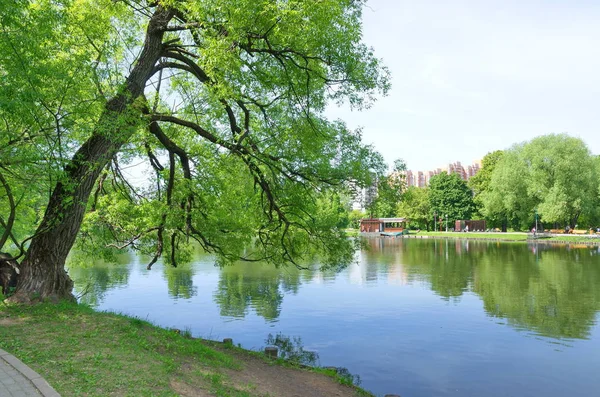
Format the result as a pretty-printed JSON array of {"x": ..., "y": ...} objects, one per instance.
[
  {"x": 480, "y": 182},
  {"x": 390, "y": 188},
  {"x": 449, "y": 196},
  {"x": 555, "y": 175},
  {"x": 415, "y": 207},
  {"x": 221, "y": 102}
]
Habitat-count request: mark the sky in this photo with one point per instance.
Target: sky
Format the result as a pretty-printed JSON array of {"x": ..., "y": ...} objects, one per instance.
[{"x": 470, "y": 77}]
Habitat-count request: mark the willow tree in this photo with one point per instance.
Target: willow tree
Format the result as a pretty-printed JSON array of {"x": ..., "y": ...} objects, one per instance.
[
  {"x": 554, "y": 175},
  {"x": 223, "y": 100}
]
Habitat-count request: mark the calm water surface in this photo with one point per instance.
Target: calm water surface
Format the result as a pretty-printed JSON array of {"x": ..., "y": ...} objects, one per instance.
[{"x": 414, "y": 317}]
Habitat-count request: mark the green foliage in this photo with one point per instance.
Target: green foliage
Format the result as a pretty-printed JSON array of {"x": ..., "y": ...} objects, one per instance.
[
  {"x": 237, "y": 153},
  {"x": 449, "y": 196},
  {"x": 507, "y": 199},
  {"x": 51, "y": 93},
  {"x": 480, "y": 182},
  {"x": 415, "y": 207},
  {"x": 345, "y": 377},
  {"x": 335, "y": 205},
  {"x": 555, "y": 175},
  {"x": 354, "y": 218},
  {"x": 389, "y": 192}
]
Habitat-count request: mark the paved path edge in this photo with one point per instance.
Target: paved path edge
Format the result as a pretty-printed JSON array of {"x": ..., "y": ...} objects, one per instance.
[{"x": 40, "y": 383}]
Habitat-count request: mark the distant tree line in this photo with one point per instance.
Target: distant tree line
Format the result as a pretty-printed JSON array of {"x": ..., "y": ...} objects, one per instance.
[{"x": 552, "y": 177}]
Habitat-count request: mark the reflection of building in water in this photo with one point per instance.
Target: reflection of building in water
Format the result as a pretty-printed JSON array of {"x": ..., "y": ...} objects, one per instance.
[
  {"x": 382, "y": 260},
  {"x": 461, "y": 246},
  {"x": 397, "y": 275}
]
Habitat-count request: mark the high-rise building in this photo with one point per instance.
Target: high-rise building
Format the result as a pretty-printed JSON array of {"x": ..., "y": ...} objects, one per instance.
[
  {"x": 458, "y": 169},
  {"x": 421, "y": 182},
  {"x": 422, "y": 178},
  {"x": 410, "y": 178}
]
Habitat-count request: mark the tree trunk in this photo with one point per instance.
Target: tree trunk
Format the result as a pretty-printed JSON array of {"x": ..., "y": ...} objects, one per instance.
[{"x": 42, "y": 271}]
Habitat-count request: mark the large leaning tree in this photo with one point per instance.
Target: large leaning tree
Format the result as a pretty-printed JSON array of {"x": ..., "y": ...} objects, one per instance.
[{"x": 218, "y": 105}]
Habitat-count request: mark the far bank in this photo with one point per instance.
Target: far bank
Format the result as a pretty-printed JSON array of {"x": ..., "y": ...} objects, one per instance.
[{"x": 585, "y": 239}]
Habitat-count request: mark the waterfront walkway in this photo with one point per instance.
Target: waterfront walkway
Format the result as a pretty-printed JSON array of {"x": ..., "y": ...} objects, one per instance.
[{"x": 18, "y": 380}]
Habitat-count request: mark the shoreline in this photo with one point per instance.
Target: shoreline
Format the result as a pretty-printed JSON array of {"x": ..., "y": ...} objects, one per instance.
[
  {"x": 493, "y": 237},
  {"x": 78, "y": 350}
]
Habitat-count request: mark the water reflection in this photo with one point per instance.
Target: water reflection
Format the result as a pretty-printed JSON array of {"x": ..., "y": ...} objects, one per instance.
[
  {"x": 553, "y": 291},
  {"x": 259, "y": 287},
  {"x": 93, "y": 279},
  {"x": 180, "y": 281}
]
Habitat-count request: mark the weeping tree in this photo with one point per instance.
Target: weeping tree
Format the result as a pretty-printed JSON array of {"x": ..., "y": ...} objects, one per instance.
[
  {"x": 552, "y": 175},
  {"x": 218, "y": 105}
]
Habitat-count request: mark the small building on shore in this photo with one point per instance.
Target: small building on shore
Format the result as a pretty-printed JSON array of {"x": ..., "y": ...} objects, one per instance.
[
  {"x": 470, "y": 225},
  {"x": 378, "y": 225}
]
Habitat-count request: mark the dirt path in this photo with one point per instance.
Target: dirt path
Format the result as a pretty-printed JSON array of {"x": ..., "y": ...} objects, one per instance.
[{"x": 259, "y": 377}]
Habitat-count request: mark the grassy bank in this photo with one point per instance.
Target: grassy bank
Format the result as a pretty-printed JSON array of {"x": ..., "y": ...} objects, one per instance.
[
  {"x": 474, "y": 235},
  {"x": 513, "y": 236},
  {"x": 86, "y": 353},
  {"x": 573, "y": 239}
]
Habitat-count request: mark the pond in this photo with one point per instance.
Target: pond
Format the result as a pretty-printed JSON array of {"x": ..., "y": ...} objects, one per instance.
[{"x": 412, "y": 317}]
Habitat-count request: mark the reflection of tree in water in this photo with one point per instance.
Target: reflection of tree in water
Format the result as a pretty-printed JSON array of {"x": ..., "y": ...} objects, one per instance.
[
  {"x": 292, "y": 349},
  {"x": 552, "y": 290},
  {"x": 441, "y": 263},
  {"x": 555, "y": 291},
  {"x": 92, "y": 280},
  {"x": 180, "y": 282},
  {"x": 260, "y": 287}
]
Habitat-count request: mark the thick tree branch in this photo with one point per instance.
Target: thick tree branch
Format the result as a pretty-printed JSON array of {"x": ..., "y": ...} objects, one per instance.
[{"x": 13, "y": 209}]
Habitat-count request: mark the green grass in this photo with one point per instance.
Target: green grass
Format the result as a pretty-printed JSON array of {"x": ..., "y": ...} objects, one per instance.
[
  {"x": 574, "y": 239},
  {"x": 352, "y": 232},
  {"x": 86, "y": 353},
  {"x": 82, "y": 352},
  {"x": 475, "y": 235},
  {"x": 516, "y": 236}
]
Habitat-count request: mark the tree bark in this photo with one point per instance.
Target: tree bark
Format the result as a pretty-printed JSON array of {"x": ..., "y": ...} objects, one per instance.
[
  {"x": 11, "y": 217},
  {"x": 42, "y": 271}
]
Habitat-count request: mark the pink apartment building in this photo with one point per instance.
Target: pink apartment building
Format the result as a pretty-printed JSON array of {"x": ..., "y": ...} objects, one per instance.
[{"x": 422, "y": 178}]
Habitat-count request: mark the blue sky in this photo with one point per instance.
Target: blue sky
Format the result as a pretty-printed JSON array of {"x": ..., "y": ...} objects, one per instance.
[{"x": 469, "y": 77}]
